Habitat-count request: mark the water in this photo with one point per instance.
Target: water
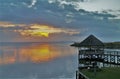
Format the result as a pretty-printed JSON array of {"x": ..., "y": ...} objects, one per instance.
[{"x": 37, "y": 61}]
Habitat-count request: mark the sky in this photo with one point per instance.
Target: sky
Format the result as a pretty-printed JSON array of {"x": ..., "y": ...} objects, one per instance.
[{"x": 59, "y": 20}]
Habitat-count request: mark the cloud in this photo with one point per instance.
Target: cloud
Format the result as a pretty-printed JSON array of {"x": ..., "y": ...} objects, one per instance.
[
  {"x": 33, "y": 3},
  {"x": 91, "y": 6},
  {"x": 36, "y": 30},
  {"x": 83, "y": 16},
  {"x": 9, "y": 24}
]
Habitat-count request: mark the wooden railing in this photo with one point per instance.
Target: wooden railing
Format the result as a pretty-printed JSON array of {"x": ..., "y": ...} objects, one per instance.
[
  {"x": 80, "y": 75},
  {"x": 110, "y": 57}
]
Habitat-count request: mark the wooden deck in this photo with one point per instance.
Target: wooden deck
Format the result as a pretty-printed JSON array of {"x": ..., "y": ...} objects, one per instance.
[{"x": 110, "y": 57}]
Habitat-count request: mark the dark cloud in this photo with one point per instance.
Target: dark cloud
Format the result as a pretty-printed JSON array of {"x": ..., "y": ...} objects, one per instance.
[{"x": 67, "y": 16}]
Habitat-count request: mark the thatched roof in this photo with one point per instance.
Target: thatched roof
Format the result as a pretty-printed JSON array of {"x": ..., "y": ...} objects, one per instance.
[{"x": 91, "y": 41}]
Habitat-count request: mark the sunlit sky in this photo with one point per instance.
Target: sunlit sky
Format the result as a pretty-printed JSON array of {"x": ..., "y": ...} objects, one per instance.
[{"x": 59, "y": 20}]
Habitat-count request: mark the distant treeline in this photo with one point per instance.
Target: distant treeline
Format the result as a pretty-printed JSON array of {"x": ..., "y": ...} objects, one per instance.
[{"x": 110, "y": 45}]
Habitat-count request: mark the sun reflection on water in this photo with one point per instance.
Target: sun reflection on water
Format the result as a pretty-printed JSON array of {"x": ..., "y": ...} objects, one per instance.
[{"x": 33, "y": 53}]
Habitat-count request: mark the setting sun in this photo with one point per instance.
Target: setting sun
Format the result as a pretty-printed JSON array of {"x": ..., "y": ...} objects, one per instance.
[{"x": 38, "y": 30}]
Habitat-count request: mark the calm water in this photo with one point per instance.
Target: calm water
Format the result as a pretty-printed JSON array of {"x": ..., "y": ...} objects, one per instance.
[{"x": 37, "y": 61}]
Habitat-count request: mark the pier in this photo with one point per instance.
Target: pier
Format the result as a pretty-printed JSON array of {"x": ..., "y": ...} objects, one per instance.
[
  {"x": 109, "y": 57},
  {"x": 93, "y": 56}
]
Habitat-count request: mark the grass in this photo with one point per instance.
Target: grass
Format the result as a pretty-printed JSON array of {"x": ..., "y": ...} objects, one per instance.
[{"x": 105, "y": 73}]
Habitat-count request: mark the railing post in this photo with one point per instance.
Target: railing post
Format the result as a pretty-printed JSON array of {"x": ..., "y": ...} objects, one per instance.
[{"x": 76, "y": 74}]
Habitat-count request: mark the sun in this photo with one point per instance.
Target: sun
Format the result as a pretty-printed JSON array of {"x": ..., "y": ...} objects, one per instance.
[
  {"x": 36, "y": 30},
  {"x": 44, "y": 34}
]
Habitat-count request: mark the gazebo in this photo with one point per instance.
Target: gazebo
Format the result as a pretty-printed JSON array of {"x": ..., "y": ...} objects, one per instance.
[
  {"x": 90, "y": 50},
  {"x": 91, "y": 42},
  {"x": 90, "y": 55}
]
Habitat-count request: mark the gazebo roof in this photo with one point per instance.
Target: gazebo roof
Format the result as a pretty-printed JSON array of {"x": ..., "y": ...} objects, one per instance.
[{"x": 91, "y": 41}]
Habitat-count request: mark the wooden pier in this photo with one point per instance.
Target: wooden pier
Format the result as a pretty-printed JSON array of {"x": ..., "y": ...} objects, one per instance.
[
  {"x": 92, "y": 55},
  {"x": 109, "y": 57}
]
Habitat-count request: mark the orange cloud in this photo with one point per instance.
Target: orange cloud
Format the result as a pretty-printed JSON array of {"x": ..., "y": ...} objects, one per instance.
[
  {"x": 45, "y": 30},
  {"x": 9, "y": 24},
  {"x": 37, "y": 30}
]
